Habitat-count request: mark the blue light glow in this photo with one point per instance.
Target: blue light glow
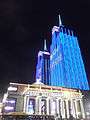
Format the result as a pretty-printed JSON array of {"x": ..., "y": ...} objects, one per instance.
[{"x": 66, "y": 64}]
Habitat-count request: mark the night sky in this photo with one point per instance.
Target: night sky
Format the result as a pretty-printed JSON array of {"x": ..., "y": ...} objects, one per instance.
[{"x": 24, "y": 24}]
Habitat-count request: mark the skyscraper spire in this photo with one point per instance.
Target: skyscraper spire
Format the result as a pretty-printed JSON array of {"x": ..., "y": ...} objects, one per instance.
[
  {"x": 60, "y": 22},
  {"x": 45, "y": 46}
]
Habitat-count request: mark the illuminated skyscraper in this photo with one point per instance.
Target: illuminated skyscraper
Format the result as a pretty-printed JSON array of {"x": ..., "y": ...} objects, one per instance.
[
  {"x": 43, "y": 66},
  {"x": 66, "y": 64}
]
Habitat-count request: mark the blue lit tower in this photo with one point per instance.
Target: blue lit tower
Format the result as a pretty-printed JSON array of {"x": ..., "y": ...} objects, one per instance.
[
  {"x": 66, "y": 64},
  {"x": 43, "y": 66}
]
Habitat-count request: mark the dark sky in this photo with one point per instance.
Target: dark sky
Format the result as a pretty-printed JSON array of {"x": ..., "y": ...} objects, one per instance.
[{"x": 24, "y": 24}]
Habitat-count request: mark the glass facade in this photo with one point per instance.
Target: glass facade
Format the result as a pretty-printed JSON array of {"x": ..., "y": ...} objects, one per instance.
[
  {"x": 43, "y": 67},
  {"x": 66, "y": 64}
]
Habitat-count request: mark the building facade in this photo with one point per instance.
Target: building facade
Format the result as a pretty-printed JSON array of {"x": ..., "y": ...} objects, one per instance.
[
  {"x": 66, "y": 64},
  {"x": 40, "y": 99},
  {"x": 60, "y": 75}
]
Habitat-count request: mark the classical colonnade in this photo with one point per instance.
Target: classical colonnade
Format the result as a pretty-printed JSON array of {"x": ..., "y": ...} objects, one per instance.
[{"x": 54, "y": 106}]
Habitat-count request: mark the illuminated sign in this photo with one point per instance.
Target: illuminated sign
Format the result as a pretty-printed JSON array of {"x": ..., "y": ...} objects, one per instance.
[{"x": 45, "y": 94}]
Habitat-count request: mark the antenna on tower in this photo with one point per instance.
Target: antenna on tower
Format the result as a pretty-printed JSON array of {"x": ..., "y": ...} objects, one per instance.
[
  {"x": 60, "y": 22},
  {"x": 45, "y": 46}
]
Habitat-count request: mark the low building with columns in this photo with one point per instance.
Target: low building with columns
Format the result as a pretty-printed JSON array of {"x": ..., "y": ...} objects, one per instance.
[{"x": 40, "y": 99}]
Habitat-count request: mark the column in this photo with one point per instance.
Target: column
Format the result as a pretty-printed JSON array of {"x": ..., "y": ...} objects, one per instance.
[
  {"x": 67, "y": 109},
  {"x": 50, "y": 106},
  {"x": 58, "y": 106},
  {"x": 76, "y": 109},
  {"x": 25, "y": 103},
  {"x": 62, "y": 109},
  {"x": 82, "y": 109},
  {"x": 47, "y": 106},
  {"x": 36, "y": 105},
  {"x": 73, "y": 109},
  {"x": 39, "y": 106}
]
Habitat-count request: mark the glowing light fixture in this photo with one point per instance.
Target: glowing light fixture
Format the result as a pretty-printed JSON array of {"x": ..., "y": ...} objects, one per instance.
[
  {"x": 12, "y": 89},
  {"x": 9, "y": 108},
  {"x": 10, "y": 101}
]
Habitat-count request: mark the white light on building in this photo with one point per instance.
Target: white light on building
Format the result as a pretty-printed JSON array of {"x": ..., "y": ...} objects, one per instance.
[
  {"x": 9, "y": 108},
  {"x": 12, "y": 89}
]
